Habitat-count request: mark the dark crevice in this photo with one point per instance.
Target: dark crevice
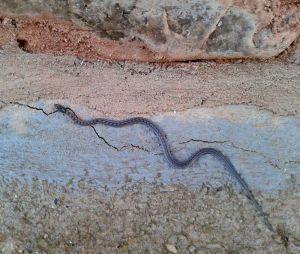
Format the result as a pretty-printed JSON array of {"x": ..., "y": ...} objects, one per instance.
[
  {"x": 140, "y": 148},
  {"x": 104, "y": 140},
  {"x": 28, "y": 106},
  {"x": 23, "y": 44},
  {"x": 203, "y": 141}
]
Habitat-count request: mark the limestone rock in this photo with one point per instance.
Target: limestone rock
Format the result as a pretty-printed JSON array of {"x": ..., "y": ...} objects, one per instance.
[{"x": 167, "y": 30}]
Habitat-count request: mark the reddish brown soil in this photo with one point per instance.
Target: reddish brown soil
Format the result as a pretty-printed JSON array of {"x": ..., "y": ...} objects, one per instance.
[{"x": 50, "y": 35}]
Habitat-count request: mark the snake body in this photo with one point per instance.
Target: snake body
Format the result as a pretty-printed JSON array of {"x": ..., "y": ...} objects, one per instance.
[{"x": 172, "y": 160}]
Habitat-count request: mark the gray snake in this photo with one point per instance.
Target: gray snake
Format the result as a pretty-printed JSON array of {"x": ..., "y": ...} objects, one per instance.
[{"x": 173, "y": 161}]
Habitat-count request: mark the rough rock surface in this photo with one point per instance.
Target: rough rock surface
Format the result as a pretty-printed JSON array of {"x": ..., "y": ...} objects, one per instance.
[{"x": 164, "y": 30}]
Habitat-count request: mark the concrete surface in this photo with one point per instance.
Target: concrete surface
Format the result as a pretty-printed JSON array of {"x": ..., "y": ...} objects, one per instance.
[{"x": 265, "y": 148}]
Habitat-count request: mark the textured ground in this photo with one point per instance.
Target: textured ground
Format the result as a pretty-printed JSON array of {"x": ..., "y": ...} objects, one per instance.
[
  {"x": 123, "y": 89},
  {"x": 43, "y": 219},
  {"x": 253, "y": 106}
]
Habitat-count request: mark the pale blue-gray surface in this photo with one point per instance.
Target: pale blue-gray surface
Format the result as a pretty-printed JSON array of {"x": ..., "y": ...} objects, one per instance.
[{"x": 265, "y": 148}]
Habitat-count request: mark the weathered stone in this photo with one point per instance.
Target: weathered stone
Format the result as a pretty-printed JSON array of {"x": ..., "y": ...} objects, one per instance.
[
  {"x": 171, "y": 248},
  {"x": 162, "y": 30}
]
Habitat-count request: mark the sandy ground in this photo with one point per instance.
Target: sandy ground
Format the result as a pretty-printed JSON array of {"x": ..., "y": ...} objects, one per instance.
[
  {"x": 39, "y": 217},
  {"x": 48, "y": 219},
  {"x": 124, "y": 89}
]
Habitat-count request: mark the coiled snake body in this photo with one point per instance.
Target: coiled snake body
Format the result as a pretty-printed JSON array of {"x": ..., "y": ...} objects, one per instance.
[{"x": 173, "y": 161}]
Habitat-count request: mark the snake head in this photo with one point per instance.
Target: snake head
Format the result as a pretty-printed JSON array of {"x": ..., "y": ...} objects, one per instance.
[{"x": 60, "y": 108}]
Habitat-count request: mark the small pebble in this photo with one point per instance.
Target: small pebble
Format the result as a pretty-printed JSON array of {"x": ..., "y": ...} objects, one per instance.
[
  {"x": 192, "y": 249},
  {"x": 171, "y": 248},
  {"x": 55, "y": 201}
]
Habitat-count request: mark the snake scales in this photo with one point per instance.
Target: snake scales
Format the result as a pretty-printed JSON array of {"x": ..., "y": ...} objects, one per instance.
[{"x": 173, "y": 161}]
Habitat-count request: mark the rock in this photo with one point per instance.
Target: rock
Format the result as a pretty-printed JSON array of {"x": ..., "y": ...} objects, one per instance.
[
  {"x": 42, "y": 244},
  {"x": 171, "y": 248},
  {"x": 161, "y": 30},
  {"x": 215, "y": 248},
  {"x": 192, "y": 249}
]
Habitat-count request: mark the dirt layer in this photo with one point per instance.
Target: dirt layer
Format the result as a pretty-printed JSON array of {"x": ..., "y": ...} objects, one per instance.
[{"x": 122, "y": 89}]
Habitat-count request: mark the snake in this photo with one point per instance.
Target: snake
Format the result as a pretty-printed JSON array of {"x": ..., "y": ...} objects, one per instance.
[{"x": 172, "y": 160}]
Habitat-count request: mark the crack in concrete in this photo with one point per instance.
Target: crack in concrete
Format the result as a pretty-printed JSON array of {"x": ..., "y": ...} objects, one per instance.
[
  {"x": 140, "y": 148},
  {"x": 273, "y": 164},
  {"x": 250, "y": 103},
  {"x": 204, "y": 141},
  {"x": 104, "y": 140},
  {"x": 292, "y": 162},
  {"x": 28, "y": 106},
  {"x": 115, "y": 147}
]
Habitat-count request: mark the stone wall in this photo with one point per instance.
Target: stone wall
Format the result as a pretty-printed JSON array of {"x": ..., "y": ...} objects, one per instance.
[{"x": 163, "y": 30}]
